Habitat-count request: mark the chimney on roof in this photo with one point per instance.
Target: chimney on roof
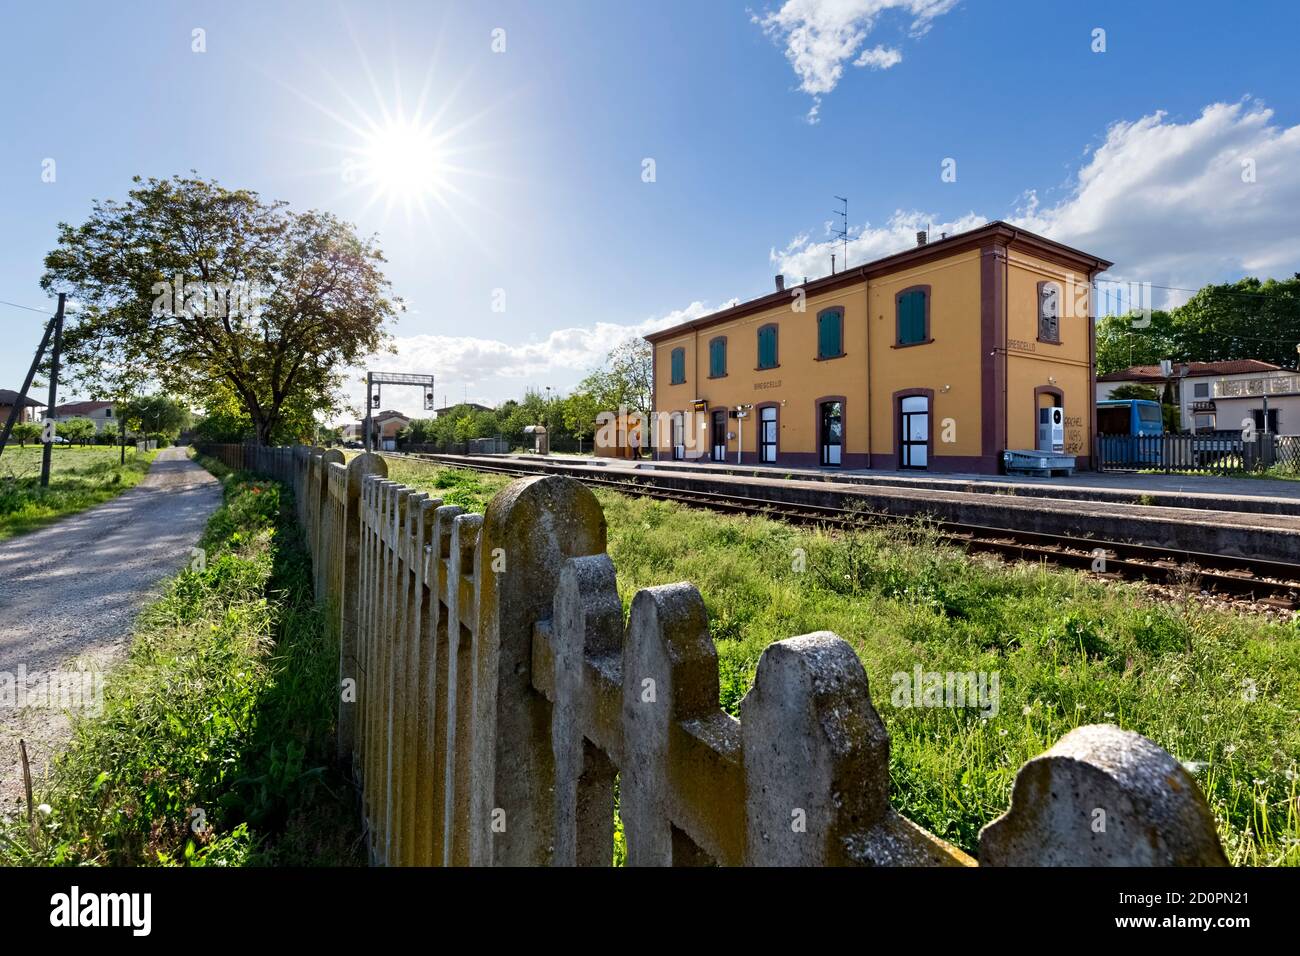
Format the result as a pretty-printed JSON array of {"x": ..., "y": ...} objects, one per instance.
[
  {"x": 780, "y": 283},
  {"x": 832, "y": 263},
  {"x": 921, "y": 238}
]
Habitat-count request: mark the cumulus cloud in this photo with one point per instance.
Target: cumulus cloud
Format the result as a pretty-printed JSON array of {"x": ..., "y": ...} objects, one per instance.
[
  {"x": 1185, "y": 203},
  {"x": 820, "y": 35},
  {"x": 802, "y": 257},
  {"x": 1174, "y": 204},
  {"x": 489, "y": 370}
]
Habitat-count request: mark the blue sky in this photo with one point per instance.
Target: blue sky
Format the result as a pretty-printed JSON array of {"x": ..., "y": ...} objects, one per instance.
[{"x": 754, "y": 114}]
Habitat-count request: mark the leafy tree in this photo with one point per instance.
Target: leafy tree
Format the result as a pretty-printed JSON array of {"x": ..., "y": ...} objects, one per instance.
[
  {"x": 76, "y": 429},
  {"x": 155, "y": 415},
  {"x": 580, "y": 411},
  {"x": 1125, "y": 340},
  {"x": 25, "y": 432},
  {"x": 1144, "y": 393},
  {"x": 1245, "y": 319},
  {"x": 627, "y": 378},
  {"x": 217, "y": 290}
]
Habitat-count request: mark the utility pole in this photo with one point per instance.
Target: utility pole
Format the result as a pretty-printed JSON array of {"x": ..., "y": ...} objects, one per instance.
[
  {"x": 54, "y": 388},
  {"x": 369, "y": 400},
  {"x": 27, "y": 383}
]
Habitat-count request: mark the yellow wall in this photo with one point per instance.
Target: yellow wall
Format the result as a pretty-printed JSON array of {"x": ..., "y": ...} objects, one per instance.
[
  {"x": 798, "y": 380},
  {"x": 952, "y": 359},
  {"x": 1031, "y": 363},
  {"x": 952, "y": 364}
]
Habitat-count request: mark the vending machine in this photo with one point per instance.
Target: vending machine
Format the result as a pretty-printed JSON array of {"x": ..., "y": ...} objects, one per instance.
[{"x": 1051, "y": 430}]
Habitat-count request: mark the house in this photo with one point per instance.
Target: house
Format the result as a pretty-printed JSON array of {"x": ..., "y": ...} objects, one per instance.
[
  {"x": 101, "y": 413},
  {"x": 939, "y": 357},
  {"x": 27, "y": 406},
  {"x": 384, "y": 426},
  {"x": 1220, "y": 395}
]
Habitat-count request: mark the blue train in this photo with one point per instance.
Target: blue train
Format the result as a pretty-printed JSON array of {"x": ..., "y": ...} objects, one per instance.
[{"x": 1122, "y": 424}]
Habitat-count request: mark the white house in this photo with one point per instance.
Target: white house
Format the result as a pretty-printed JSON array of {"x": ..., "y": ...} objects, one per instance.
[
  {"x": 101, "y": 413},
  {"x": 1221, "y": 395}
]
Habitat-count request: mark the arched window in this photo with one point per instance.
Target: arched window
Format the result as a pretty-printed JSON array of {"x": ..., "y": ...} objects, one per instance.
[
  {"x": 718, "y": 357},
  {"x": 1049, "y": 312},
  {"x": 767, "y": 357},
  {"x": 678, "y": 366},
  {"x": 830, "y": 333},
  {"x": 913, "y": 315}
]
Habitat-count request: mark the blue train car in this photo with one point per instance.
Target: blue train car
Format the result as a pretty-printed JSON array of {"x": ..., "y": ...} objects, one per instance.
[{"x": 1122, "y": 426}]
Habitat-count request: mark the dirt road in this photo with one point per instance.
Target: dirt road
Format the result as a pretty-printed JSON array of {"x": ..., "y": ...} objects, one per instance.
[{"x": 69, "y": 594}]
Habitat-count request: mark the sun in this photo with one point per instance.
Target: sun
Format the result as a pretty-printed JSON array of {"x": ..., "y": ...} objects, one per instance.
[{"x": 402, "y": 161}]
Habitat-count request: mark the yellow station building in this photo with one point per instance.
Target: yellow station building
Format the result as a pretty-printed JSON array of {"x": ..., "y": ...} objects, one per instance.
[{"x": 939, "y": 357}]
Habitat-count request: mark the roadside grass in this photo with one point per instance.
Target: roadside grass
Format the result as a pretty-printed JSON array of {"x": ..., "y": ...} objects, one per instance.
[
  {"x": 216, "y": 739},
  {"x": 80, "y": 478},
  {"x": 1217, "y": 689}
]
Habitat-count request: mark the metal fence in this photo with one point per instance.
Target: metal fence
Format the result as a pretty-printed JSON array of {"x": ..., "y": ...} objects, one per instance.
[{"x": 1208, "y": 453}]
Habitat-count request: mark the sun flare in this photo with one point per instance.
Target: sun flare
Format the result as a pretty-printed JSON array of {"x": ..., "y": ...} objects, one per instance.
[{"x": 403, "y": 163}]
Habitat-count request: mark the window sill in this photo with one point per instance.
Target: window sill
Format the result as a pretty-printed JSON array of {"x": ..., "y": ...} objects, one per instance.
[
  {"x": 682, "y": 382},
  {"x": 911, "y": 345},
  {"x": 1048, "y": 341},
  {"x": 723, "y": 375},
  {"x": 829, "y": 358},
  {"x": 766, "y": 368}
]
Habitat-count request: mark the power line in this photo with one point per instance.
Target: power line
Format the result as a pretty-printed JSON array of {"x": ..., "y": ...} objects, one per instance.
[{"x": 27, "y": 307}]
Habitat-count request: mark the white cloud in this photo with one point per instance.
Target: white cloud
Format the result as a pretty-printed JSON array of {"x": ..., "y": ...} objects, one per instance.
[
  {"x": 1167, "y": 201},
  {"x": 1164, "y": 200},
  {"x": 802, "y": 257},
  {"x": 489, "y": 371},
  {"x": 820, "y": 35},
  {"x": 879, "y": 57}
]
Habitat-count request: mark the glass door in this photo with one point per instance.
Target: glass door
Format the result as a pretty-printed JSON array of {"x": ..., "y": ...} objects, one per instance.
[
  {"x": 914, "y": 433},
  {"x": 720, "y": 435},
  {"x": 832, "y": 432},
  {"x": 767, "y": 434}
]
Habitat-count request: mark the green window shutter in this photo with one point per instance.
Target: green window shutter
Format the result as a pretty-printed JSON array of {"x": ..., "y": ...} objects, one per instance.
[
  {"x": 829, "y": 334},
  {"x": 767, "y": 347},
  {"x": 911, "y": 318},
  {"x": 679, "y": 366},
  {"x": 717, "y": 358}
]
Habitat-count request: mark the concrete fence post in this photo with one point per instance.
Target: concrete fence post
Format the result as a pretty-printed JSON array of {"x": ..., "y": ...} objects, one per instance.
[
  {"x": 587, "y": 625},
  {"x": 670, "y": 677},
  {"x": 530, "y": 528},
  {"x": 462, "y": 604},
  {"x": 1102, "y": 796},
  {"x": 817, "y": 766},
  {"x": 350, "y": 589}
]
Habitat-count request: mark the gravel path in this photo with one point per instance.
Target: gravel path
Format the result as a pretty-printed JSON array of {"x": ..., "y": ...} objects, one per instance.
[{"x": 70, "y": 592}]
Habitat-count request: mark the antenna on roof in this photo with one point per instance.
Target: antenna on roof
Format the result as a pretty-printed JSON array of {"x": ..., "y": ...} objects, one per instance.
[{"x": 843, "y": 233}]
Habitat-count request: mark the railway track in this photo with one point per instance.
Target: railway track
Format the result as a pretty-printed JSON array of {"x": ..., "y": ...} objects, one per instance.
[{"x": 1268, "y": 582}]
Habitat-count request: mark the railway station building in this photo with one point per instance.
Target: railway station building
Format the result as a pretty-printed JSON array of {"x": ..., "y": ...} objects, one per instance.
[{"x": 938, "y": 358}]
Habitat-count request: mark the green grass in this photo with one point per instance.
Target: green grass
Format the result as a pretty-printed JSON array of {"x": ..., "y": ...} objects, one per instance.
[
  {"x": 215, "y": 743},
  {"x": 1218, "y": 690},
  {"x": 80, "y": 478}
]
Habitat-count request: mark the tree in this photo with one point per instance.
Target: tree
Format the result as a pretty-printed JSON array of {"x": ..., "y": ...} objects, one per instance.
[
  {"x": 1144, "y": 393},
  {"x": 580, "y": 411},
  {"x": 216, "y": 289},
  {"x": 1245, "y": 319},
  {"x": 76, "y": 429},
  {"x": 627, "y": 378},
  {"x": 25, "y": 432},
  {"x": 1126, "y": 340},
  {"x": 155, "y": 415}
]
